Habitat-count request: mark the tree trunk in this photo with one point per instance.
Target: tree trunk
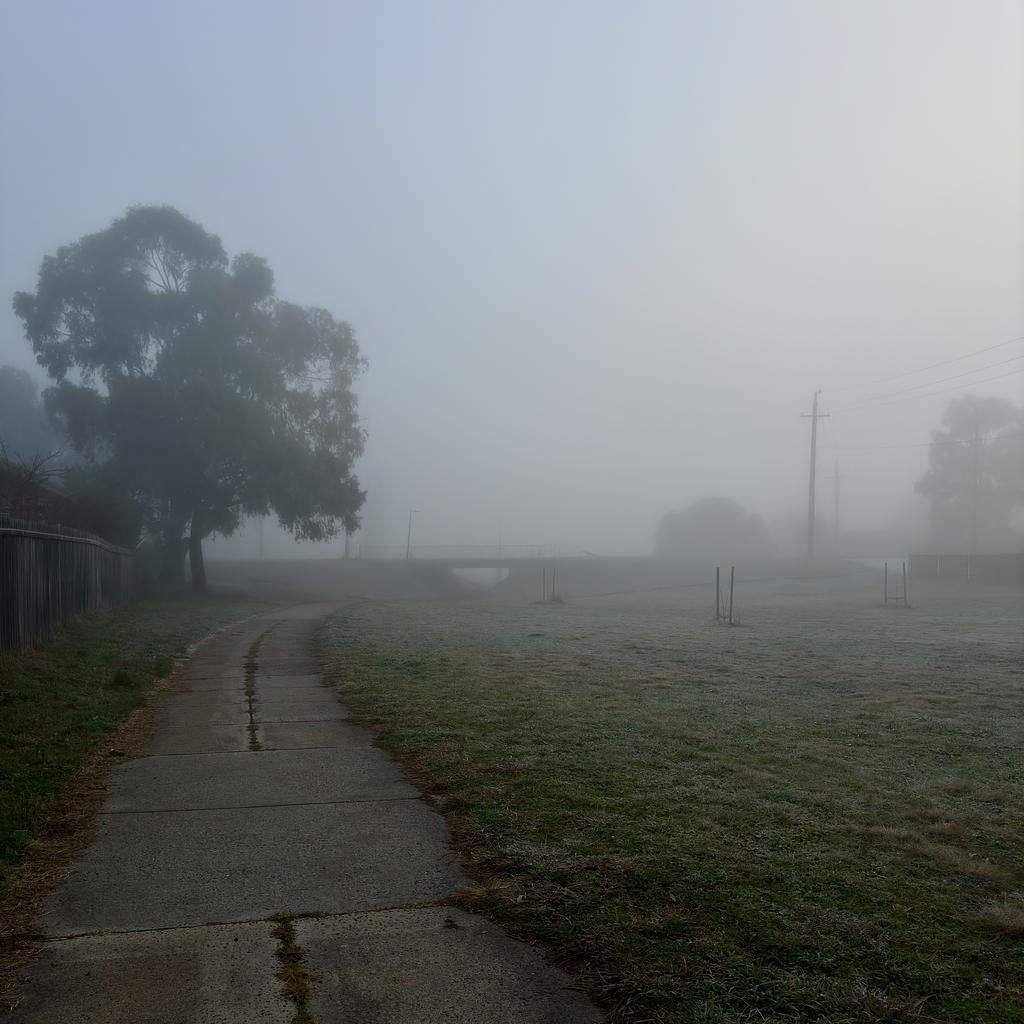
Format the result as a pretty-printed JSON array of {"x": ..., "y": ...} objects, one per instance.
[
  {"x": 172, "y": 557},
  {"x": 195, "y": 552}
]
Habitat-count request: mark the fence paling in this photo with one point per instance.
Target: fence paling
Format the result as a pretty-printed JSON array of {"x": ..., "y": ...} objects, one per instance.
[{"x": 49, "y": 574}]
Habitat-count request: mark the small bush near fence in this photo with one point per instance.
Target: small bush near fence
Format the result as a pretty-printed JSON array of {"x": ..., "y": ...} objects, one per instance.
[{"x": 49, "y": 574}]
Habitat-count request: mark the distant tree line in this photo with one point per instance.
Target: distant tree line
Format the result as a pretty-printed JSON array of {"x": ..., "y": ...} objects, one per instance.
[
  {"x": 974, "y": 487},
  {"x": 975, "y": 479},
  {"x": 713, "y": 530}
]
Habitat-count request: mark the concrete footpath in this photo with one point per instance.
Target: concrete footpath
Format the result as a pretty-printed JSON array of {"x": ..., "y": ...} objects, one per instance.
[{"x": 264, "y": 862}]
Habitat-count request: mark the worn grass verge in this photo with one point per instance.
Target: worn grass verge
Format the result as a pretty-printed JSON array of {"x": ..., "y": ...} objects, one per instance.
[{"x": 814, "y": 818}]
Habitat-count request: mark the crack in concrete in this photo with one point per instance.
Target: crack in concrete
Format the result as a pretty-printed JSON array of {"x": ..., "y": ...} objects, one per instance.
[
  {"x": 296, "y": 976},
  {"x": 234, "y": 750},
  {"x": 300, "y": 915},
  {"x": 251, "y": 664},
  {"x": 254, "y": 807}
]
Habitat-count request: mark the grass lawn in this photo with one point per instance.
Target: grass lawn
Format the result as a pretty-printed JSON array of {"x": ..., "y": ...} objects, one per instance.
[
  {"x": 61, "y": 701},
  {"x": 817, "y": 816}
]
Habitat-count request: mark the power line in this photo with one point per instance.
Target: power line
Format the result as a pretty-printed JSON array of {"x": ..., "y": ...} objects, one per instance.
[
  {"x": 931, "y": 394},
  {"x": 941, "y": 380},
  {"x": 930, "y": 444},
  {"x": 922, "y": 369}
]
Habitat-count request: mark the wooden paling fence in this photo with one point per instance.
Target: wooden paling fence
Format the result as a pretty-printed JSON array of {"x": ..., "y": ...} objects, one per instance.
[{"x": 49, "y": 574}]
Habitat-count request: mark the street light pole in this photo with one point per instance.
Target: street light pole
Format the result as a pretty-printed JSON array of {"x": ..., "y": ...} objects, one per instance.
[{"x": 408, "y": 536}]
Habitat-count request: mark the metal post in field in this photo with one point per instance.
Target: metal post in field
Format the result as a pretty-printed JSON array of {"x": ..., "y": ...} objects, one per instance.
[
  {"x": 718, "y": 593},
  {"x": 732, "y": 580},
  {"x": 543, "y": 584}
]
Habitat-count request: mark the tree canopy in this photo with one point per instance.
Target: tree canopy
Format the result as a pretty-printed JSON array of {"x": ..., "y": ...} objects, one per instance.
[
  {"x": 184, "y": 376},
  {"x": 975, "y": 479},
  {"x": 710, "y": 530}
]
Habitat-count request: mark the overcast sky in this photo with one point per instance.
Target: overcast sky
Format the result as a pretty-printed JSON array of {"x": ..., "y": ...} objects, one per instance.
[{"x": 599, "y": 255}]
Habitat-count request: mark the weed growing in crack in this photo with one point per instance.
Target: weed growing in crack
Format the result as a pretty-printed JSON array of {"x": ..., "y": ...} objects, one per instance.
[
  {"x": 251, "y": 664},
  {"x": 296, "y": 976}
]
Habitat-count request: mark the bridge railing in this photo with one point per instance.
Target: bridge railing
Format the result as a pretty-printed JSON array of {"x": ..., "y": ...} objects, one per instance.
[{"x": 450, "y": 552}]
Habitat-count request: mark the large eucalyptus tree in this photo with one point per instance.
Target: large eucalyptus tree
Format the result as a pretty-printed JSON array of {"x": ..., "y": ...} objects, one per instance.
[{"x": 184, "y": 376}]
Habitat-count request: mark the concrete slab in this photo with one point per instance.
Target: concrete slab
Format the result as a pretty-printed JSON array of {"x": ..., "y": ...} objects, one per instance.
[
  {"x": 214, "y": 683},
  {"x": 222, "y": 975},
  {"x": 257, "y": 778},
  {"x": 432, "y": 966},
  {"x": 312, "y": 694},
  {"x": 289, "y": 678},
  {"x": 226, "y": 645},
  {"x": 229, "y": 646},
  {"x": 200, "y": 738},
  {"x": 200, "y": 674},
  {"x": 316, "y": 693},
  {"x": 300, "y": 708},
  {"x": 198, "y": 867},
  {"x": 286, "y": 668},
  {"x": 294, "y": 735},
  {"x": 200, "y": 700},
  {"x": 286, "y": 680}
]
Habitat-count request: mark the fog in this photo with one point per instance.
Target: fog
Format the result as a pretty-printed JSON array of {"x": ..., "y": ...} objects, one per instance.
[{"x": 599, "y": 256}]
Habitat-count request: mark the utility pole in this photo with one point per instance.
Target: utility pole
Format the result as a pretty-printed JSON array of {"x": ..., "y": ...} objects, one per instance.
[
  {"x": 975, "y": 484},
  {"x": 837, "y": 506},
  {"x": 813, "y": 416},
  {"x": 408, "y": 536}
]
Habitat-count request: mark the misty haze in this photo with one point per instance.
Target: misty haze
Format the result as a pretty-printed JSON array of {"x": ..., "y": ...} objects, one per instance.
[{"x": 512, "y": 512}]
